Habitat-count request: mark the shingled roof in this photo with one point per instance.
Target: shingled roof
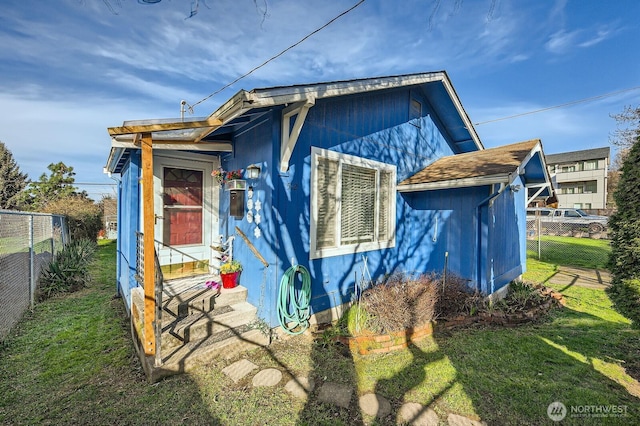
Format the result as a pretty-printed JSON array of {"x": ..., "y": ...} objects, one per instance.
[
  {"x": 492, "y": 165},
  {"x": 575, "y": 156}
]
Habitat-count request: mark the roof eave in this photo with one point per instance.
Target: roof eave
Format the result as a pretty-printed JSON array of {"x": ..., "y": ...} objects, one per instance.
[
  {"x": 455, "y": 183},
  {"x": 114, "y": 158},
  {"x": 290, "y": 94}
]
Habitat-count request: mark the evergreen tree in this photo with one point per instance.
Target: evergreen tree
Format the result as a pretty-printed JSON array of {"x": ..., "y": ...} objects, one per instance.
[
  {"x": 625, "y": 238},
  {"x": 12, "y": 181},
  {"x": 625, "y": 223},
  {"x": 52, "y": 187}
]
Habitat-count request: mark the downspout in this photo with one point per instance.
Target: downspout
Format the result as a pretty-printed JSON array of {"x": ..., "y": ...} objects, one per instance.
[{"x": 479, "y": 234}]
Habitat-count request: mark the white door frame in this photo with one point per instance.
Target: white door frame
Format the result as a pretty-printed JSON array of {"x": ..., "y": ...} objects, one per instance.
[{"x": 211, "y": 195}]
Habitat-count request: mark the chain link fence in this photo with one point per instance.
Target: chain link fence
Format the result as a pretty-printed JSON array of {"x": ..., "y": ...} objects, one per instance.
[
  {"x": 27, "y": 242},
  {"x": 567, "y": 243}
]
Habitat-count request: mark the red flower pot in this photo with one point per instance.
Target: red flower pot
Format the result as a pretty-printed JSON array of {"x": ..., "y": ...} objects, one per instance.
[{"x": 230, "y": 280}]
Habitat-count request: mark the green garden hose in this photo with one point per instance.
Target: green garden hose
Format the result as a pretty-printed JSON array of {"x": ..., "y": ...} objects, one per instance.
[{"x": 297, "y": 300}]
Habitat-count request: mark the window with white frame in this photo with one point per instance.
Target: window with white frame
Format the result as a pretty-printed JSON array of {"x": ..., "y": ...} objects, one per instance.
[{"x": 353, "y": 204}]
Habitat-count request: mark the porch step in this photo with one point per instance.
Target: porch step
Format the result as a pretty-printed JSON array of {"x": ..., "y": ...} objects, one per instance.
[
  {"x": 202, "y": 325},
  {"x": 226, "y": 344},
  {"x": 200, "y": 300},
  {"x": 173, "y": 287}
]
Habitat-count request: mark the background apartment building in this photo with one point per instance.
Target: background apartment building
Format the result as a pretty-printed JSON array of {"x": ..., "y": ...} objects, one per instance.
[{"x": 580, "y": 178}]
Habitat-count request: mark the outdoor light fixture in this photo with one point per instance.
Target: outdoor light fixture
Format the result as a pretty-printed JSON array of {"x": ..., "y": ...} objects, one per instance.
[{"x": 253, "y": 172}]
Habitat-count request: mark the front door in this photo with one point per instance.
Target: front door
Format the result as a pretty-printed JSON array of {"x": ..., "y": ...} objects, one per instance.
[{"x": 186, "y": 207}]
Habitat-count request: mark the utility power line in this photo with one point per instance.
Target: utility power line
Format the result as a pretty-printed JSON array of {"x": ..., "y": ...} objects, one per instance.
[
  {"x": 579, "y": 101},
  {"x": 277, "y": 55}
]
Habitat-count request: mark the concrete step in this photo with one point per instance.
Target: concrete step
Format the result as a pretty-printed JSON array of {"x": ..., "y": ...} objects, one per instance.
[
  {"x": 202, "y": 325},
  {"x": 226, "y": 344},
  {"x": 201, "y": 300},
  {"x": 173, "y": 287}
]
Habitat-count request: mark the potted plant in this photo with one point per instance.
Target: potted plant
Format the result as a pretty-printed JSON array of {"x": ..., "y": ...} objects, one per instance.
[
  {"x": 230, "y": 272},
  {"x": 218, "y": 176},
  {"x": 233, "y": 179}
]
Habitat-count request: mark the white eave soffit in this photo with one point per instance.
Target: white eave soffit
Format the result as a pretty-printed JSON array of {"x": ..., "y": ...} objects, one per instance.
[{"x": 455, "y": 183}]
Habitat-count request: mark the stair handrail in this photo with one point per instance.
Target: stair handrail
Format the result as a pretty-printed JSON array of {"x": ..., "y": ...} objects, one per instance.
[
  {"x": 158, "y": 289},
  {"x": 157, "y": 324}
]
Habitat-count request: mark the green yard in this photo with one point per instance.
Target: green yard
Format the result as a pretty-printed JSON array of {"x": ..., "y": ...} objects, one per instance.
[
  {"x": 71, "y": 362},
  {"x": 570, "y": 251}
]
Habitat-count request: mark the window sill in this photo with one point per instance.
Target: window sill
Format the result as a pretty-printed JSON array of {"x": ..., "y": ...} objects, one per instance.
[{"x": 351, "y": 249}]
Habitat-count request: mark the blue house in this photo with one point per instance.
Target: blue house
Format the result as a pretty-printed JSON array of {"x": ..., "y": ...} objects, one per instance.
[{"x": 346, "y": 178}]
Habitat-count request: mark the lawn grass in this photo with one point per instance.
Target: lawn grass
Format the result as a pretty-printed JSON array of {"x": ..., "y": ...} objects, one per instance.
[
  {"x": 571, "y": 251},
  {"x": 71, "y": 361}
]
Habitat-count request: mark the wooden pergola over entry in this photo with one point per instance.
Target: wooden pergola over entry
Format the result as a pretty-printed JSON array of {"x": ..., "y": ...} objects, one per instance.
[{"x": 143, "y": 137}]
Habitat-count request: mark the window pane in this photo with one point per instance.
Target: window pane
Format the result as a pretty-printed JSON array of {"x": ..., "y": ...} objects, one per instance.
[
  {"x": 327, "y": 202},
  {"x": 358, "y": 204},
  {"x": 591, "y": 165},
  {"x": 182, "y": 209}
]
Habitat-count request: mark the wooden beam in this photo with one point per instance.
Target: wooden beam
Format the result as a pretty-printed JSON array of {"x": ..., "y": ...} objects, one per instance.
[
  {"x": 149, "y": 244},
  {"x": 178, "y": 145},
  {"x": 159, "y": 127}
]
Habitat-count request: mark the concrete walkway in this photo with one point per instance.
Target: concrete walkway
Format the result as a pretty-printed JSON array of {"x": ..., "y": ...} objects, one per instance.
[{"x": 589, "y": 278}]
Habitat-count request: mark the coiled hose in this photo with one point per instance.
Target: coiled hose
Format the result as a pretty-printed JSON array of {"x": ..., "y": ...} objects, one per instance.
[{"x": 298, "y": 301}]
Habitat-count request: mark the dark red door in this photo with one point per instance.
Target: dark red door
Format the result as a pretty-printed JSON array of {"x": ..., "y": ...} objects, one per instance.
[{"x": 182, "y": 199}]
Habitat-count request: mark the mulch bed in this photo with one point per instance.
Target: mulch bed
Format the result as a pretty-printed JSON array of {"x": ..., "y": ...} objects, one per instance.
[{"x": 368, "y": 343}]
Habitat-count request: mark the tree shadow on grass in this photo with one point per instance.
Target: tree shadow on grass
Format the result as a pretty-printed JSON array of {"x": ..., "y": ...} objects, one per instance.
[
  {"x": 511, "y": 375},
  {"x": 504, "y": 375}
]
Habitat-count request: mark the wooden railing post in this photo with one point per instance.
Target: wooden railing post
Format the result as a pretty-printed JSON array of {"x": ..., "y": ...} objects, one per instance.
[{"x": 149, "y": 246}]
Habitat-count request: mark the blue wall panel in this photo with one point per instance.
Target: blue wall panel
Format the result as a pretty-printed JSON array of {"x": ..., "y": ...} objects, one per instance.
[
  {"x": 506, "y": 258},
  {"x": 128, "y": 224},
  {"x": 254, "y": 146}
]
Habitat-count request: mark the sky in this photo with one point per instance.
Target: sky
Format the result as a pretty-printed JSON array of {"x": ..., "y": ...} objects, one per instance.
[{"x": 71, "y": 68}]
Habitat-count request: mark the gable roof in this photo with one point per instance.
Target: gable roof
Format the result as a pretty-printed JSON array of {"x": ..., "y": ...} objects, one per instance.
[
  {"x": 486, "y": 167},
  {"x": 246, "y": 108},
  {"x": 575, "y": 156}
]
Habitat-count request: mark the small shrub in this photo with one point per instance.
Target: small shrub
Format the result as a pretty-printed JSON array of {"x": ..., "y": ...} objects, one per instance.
[
  {"x": 401, "y": 301},
  {"x": 355, "y": 320},
  {"x": 84, "y": 216},
  {"x": 521, "y": 296},
  {"x": 457, "y": 298},
  {"x": 69, "y": 270},
  {"x": 625, "y": 295}
]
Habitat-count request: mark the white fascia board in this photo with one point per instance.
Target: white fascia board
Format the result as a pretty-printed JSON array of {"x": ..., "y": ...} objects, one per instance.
[
  {"x": 237, "y": 105},
  {"x": 455, "y": 183},
  {"x": 536, "y": 149},
  {"x": 293, "y": 94},
  {"x": 177, "y": 146},
  {"x": 461, "y": 111},
  {"x": 114, "y": 157}
]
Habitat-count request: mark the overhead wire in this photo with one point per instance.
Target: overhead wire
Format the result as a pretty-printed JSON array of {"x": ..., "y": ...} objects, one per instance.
[
  {"x": 276, "y": 56},
  {"x": 579, "y": 101}
]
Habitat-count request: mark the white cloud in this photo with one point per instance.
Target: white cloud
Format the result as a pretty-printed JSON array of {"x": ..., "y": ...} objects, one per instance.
[
  {"x": 562, "y": 41},
  {"x": 600, "y": 36}
]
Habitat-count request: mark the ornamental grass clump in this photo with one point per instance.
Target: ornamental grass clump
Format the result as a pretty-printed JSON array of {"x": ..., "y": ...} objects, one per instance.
[
  {"x": 401, "y": 301},
  {"x": 69, "y": 270}
]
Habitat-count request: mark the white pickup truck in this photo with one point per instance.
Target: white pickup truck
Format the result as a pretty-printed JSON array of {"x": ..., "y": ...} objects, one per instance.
[{"x": 575, "y": 218}]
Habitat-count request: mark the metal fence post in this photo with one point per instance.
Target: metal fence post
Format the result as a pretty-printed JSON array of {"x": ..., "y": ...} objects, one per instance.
[
  {"x": 53, "y": 240},
  {"x": 32, "y": 265},
  {"x": 539, "y": 226}
]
